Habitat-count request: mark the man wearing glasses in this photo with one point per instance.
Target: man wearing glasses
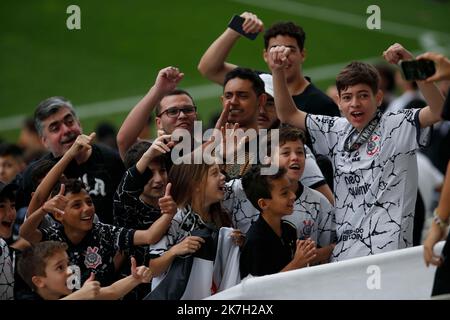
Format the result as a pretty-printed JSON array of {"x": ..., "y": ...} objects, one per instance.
[{"x": 174, "y": 108}]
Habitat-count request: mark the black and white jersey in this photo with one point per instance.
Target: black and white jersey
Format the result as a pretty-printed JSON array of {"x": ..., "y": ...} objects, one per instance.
[
  {"x": 6, "y": 272},
  {"x": 312, "y": 215},
  {"x": 95, "y": 253},
  {"x": 184, "y": 222},
  {"x": 375, "y": 185},
  {"x": 131, "y": 212},
  {"x": 243, "y": 213}
]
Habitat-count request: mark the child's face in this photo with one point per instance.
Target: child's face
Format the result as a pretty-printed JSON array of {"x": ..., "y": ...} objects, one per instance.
[
  {"x": 292, "y": 157},
  {"x": 7, "y": 217},
  {"x": 79, "y": 211},
  {"x": 155, "y": 187},
  {"x": 215, "y": 185},
  {"x": 9, "y": 168},
  {"x": 359, "y": 105},
  {"x": 57, "y": 272},
  {"x": 282, "y": 202}
]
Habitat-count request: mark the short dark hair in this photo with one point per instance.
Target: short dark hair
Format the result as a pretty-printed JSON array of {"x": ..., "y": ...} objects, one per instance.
[
  {"x": 285, "y": 29},
  {"x": 174, "y": 92},
  {"x": 40, "y": 170},
  {"x": 71, "y": 186},
  {"x": 358, "y": 73},
  {"x": 257, "y": 186},
  {"x": 246, "y": 74},
  {"x": 289, "y": 133},
  {"x": 136, "y": 151},
  {"x": 10, "y": 149},
  {"x": 34, "y": 260},
  {"x": 48, "y": 107}
]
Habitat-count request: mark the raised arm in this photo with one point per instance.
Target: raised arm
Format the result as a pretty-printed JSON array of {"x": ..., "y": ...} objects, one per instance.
[
  {"x": 431, "y": 113},
  {"x": 166, "y": 81},
  {"x": 287, "y": 111},
  {"x": 121, "y": 287},
  {"x": 442, "y": 66},
  {"x": 157, "y": 230},
  {"x": 160, "y": 146},
  {"x": 81, "y": 148},
  {"x": 212, "y": 64}
]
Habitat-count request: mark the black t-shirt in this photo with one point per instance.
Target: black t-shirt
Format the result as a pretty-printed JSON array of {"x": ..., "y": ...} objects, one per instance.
[
  {"x": 101, "y": 174},
  {"x": 264, "y": 252},
  {"x": 314, "y": 101}
]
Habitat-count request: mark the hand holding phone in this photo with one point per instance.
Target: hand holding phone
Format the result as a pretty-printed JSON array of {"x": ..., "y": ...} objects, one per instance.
[
  {"x": 236, "y": 24},
  {"x": 417, "y": 69}
]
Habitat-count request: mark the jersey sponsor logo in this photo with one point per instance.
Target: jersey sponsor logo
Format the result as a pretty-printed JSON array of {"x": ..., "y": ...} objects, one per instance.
[
  {"x": 359, "y": 190},
  {"x": 373, "y": 145},
  {"x": 92, "y": 259},
  {"x": 356, "y": 234},
  {"x": 329, "y": 121}
]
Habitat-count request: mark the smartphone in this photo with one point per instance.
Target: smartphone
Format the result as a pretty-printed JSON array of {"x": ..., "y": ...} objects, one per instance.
[
  {"x": 417, "y": 69},
  {"x": 236, "y": 24}
]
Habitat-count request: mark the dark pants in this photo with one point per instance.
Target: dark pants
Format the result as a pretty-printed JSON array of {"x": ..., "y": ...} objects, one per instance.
[{"x": 442, "y": 276}]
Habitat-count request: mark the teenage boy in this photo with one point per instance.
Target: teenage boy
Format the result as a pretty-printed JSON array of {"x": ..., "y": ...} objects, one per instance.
[
  {"x": 45, "y": 268},
  {"x": 272, "y": 245},
  {"x": 143, "y": 195},
  {"x": 373, "y": 154}
]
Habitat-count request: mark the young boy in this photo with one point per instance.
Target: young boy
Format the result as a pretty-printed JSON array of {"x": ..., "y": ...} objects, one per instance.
[
  {"x": 141, "y": 195},
  {"x": 11, "y": 162},
  {"x": 45, "y": 268},
  {"x": 7, "y": 257},
  {"x": 312, "y": 215},
  {"x": 272, "y": 245},
  {"x": 373, "y": 154},
  {"x": 92, "y": 246}
]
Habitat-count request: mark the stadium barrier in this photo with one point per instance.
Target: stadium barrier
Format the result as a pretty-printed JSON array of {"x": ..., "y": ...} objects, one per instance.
[{"x": 400, "y": 274}]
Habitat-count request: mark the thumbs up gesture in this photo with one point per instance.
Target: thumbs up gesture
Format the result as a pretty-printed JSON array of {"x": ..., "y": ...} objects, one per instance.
[
  {"x": 143, "y": 274},
  {"x": 166, "y": 203},
  {"x": 90, "y": 288}
]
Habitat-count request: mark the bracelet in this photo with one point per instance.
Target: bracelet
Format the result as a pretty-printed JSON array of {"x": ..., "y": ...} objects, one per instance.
[{"x": 438, "y": 221}]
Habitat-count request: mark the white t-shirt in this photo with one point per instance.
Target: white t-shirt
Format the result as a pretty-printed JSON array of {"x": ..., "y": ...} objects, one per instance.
[
  {"x": 312, "y": 216},
  {"x": 376, "y": 185}
]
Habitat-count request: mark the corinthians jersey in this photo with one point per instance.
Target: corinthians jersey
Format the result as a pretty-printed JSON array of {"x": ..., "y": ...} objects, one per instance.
[
  {"x": 312, "y": 215},
  {"x": 6, "y": 272},
  {"x": 375, "y": 185}
]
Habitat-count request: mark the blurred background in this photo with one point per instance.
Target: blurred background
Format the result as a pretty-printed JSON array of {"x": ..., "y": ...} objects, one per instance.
[{"x": 108, "y": 65}]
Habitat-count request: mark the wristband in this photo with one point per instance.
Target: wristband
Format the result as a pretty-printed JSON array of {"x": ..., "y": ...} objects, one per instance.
[{"x": 438, "y": 221}]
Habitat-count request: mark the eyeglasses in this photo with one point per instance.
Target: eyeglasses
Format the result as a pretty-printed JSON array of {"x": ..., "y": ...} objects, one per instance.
[{"x": 174, "y": 112}]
